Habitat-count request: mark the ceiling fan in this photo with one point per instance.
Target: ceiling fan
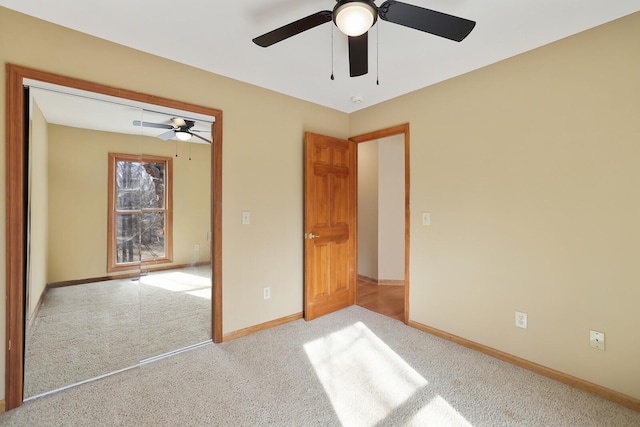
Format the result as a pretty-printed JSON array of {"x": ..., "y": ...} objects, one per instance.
[
  {"x": 355, "y": 17},
  {"x": 181, "y": 129}
]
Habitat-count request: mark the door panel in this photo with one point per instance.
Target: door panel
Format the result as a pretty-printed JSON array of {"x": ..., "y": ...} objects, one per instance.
[{"x": 330, "y": 224}]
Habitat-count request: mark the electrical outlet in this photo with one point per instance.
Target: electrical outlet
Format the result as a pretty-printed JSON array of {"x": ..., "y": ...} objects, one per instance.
[
  {"x": 266, "y": 293},
  {"x": 521, "y": 320},
  {"x": 196, "y": 248},
  {"x": 596, "y": 339}
]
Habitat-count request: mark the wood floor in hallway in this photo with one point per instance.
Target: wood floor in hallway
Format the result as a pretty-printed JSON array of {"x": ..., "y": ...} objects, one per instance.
[{"x": 383, "y": 299}]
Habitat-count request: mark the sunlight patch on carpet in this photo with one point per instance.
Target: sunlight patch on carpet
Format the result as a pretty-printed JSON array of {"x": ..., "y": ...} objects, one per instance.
[
  {"x": 439, "y": 413},
  {"x": 180, "y": 282},
  {"x": 364, "y": 378},
  {"x": 201, "y": 293}
]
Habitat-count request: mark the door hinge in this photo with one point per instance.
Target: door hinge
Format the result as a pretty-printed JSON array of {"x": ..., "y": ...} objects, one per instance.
[{"x": 9, "y": 345}]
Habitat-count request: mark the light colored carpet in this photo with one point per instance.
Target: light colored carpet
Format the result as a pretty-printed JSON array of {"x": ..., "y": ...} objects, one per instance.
[
  {"x": 89, "y": 330},
  {"x": 350, "y": 368}
]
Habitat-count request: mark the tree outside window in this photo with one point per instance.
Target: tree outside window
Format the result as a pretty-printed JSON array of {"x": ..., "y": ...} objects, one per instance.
[{"x": 140, "y": 211}]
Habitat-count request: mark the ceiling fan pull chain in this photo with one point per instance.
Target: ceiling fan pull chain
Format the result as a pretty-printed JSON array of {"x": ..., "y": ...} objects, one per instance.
[
  {"x": 176, "y": 148},
  {"x": 378, "y": 55},
  {"x": 189, "y": 151},
  {"x": 332, "y": 78}
]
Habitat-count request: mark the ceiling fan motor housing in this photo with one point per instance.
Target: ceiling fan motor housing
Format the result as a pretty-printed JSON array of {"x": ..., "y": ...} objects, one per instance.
[{"x": 346, "y": 10}]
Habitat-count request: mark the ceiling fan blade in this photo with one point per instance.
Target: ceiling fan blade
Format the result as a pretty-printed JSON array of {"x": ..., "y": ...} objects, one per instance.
[
  {"x": 198, "y": 130},
  {"x": 152, "y": 125},
  {"x": 359, "y": 55},
  {"x": 430, "y": 21},
  {"x": 293, "y": 28},
  {"x": 167, "y": 135},
  {"x": 198, "y": 136}
]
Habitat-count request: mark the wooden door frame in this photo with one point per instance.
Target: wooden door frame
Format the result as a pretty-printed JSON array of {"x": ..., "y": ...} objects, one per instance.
[
  {"x": 379, "y": 134},
  {"x": 15, "y": 222}
]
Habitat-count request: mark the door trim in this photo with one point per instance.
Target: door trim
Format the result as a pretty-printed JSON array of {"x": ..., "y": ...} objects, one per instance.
[
  {"x": 383, "y": 133},
  {"x": 15, "y": 223}
]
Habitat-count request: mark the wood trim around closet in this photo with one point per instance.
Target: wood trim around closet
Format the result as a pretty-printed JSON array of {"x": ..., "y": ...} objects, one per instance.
[{"x": 15, "y": 221}]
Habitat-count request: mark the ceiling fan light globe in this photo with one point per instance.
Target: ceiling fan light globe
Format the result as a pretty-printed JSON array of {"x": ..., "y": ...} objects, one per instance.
[
  {"x": 354, "y": 18},
  {"x": 183, "y": 136}
]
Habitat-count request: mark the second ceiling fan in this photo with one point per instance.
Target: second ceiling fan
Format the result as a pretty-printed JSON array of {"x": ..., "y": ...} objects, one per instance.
[
  {"x": 355, "y": 17},
  {"x": 181, "y": 129}
]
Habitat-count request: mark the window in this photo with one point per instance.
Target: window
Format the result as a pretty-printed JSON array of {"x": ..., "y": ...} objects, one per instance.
[{"x": 140, "y": 211}]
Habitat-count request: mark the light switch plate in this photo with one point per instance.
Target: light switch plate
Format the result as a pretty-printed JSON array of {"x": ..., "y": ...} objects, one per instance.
[
  {"x": 426, "y": 218},
  {"x": 246, "y": 217}
]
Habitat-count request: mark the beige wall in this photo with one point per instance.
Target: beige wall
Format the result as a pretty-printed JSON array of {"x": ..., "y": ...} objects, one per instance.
[
  {"x": 78, "y": 183},
  {"x": 530, "y": 170},
  {"x": 38, "y": 193},
  {"x": 391, "y": 208},
  {"x": 368, "y": 209},
  {"x": 262, "y": 157}
]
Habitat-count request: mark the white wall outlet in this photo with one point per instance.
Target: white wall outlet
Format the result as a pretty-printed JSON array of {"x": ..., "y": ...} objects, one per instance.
[
  {"x": 521, "y": 320},
  {"x": 246, "y": 217},
  {"x": 266, "y": 292},
  {"x": 596, "y": 339},
  {"x": 426, "y": 218},
  {"x": 196, "y": 247}
]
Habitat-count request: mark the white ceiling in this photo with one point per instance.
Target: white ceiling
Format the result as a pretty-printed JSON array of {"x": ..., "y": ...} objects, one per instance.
[{"x": 216, "y": 36}]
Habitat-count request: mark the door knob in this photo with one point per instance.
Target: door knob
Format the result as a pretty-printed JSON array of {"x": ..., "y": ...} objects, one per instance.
[{"x": 310, "y": 236}]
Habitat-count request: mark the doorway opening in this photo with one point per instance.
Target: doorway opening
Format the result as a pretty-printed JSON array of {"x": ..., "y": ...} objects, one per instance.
[
  {"x": 16, "y": 225},
  {"x": 383, "y": 221}
]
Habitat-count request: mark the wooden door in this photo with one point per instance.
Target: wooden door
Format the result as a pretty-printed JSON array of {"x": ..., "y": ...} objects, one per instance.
[{"x": 330, "y": 274}]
